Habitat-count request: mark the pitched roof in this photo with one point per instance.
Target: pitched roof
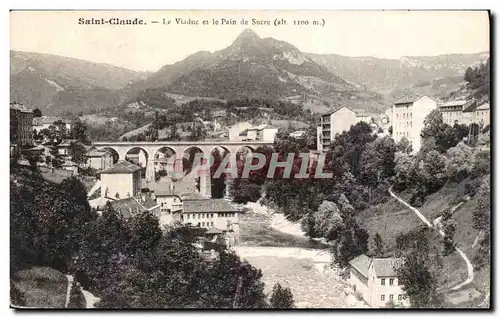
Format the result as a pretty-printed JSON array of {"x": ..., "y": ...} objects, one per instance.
[
  {"x": 408, "y": 99},
  {"x": 453, "y": 103},
  {"x": 67, "y": 142},
  {"x": 130, "y": 207},
  {"x": 94, "y": 152},
  {"x": 208, "y": 205},
  {"x": 122, "y": 167},
  {"x": 484, "y": 106},
  {"x": 384, "y": 267},
  {"x": 213, "y": 230},
  {"x": 337, "y": 109},
  {"x": 361, "y": 263}
]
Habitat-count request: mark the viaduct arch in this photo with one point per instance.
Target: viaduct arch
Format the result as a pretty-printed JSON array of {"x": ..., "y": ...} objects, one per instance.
[{"x": 152, "y": 148}]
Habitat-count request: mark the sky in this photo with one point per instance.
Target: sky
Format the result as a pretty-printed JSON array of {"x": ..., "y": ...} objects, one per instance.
[{"x": 381, "y": 34}]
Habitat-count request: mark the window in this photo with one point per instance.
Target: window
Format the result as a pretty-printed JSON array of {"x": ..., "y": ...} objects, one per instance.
[
  {"x": 391, "y": 297},
  {"x": 211, "y": 215},
  {"x": 187, "y": 216},
  {"x": 382, "y": 297},
  {"x": 203, "y": 216},
  {"x": 199, "y": 224},
  {"x": 382, "y": 281},
  {"x": 199, "y": 216},
  {"x": 400, "y": 297},
  {"x": 212, "y": 223},
  {"x": 391, "y": 281}
]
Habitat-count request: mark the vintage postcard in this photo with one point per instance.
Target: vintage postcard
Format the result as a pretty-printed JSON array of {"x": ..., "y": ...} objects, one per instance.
[{"x": 250, "y": 159}]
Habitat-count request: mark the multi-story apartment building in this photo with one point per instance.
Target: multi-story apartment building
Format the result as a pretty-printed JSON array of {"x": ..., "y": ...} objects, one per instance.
[
  {"x": 335, "y": 122},
  {"x": 408, "y": 115},
  {"x": 376, "y": 281},
  {"x": 21, "y": 119},
  {"x": 453, "y": 112}
]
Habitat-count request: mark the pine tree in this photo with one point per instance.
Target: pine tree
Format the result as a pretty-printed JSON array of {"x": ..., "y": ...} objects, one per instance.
[{"x": 281, "y": 297}]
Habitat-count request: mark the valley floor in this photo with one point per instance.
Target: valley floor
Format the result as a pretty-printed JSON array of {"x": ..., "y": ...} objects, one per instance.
[{"x": 305, "y": 270}]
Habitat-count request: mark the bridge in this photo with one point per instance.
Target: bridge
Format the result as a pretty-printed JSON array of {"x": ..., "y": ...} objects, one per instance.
[{"x": 177, "y": 151}]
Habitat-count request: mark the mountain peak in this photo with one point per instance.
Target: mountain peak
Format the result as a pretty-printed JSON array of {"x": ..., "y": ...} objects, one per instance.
[{"x": 247, "y": 34}]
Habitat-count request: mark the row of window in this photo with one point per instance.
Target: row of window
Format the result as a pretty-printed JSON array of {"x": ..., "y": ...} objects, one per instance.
[
  {"x": 391, "y": 282},
  {"x": 404, "y": 115},
  {"x": 205, "y": 223},
  {"x": 208, "y": 215},
  {"x": 403, "y": 134},
  {"x": 391, "y": 297}
]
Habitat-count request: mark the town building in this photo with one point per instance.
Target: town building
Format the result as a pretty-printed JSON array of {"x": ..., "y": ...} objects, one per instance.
[
  {"x": 335, "y": 122},
  {"x": 208, "y": 213},
  {"x": 171, "y": 205},
  {"x": 235, "y": 130},
  {"x": 362, "y": 117},
  {"x": 70, "y": 166},
  {"x": 453, "y": 112},
  {"x": 298, "y": 134},
  {"x": 122, "y": 180},
  {"x": 408, "y": 117},
  {"x": 262, "y": 132},
  {"x": 98, "y": 159},
  {"x": 376, "y": 280},
  {"x": 481, "y": 115},
  {"x": 133, "y": 206},
  {"x": 21, "y": 118},
  {"x": 44, "y": 122}
]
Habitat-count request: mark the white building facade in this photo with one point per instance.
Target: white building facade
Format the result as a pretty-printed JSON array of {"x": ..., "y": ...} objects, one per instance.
[
  {"x": 376, "y": 281},
  {"x": 408, "y": 117}
]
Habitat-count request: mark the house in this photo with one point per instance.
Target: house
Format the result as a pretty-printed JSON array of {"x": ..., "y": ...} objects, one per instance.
[
  {"x": 408, "y": 117},
  {"x": 63, "y": 147},
  {"x": 171, "y": 206},
  {"x": 21, "y": 118},
  {"x": 235, "y": 130},
  {"x": 453, "y": 112},
  {"x": 208, "y": 213},
  {"x": 71, "y": 166},
  {"x": 482, "y": 115},
  {"x": 297, "y": 133},
  {"x": 133, "y": 206},
  {"x": 122, "y": 180},
  {"x": 98, "y": 159},
  {"x": 335, "y": 122},
  {"x": 44, "y": 122},
  {"x": 363, "y": 117},
  {"x": 375, "y": 279},
  {"x": 262, "y": 132}
]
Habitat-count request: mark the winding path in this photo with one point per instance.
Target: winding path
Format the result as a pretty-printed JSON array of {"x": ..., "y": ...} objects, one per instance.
[{"x": 437, "y": 222}]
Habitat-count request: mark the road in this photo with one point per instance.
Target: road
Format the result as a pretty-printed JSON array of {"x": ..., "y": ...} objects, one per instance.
[{"x": 437, "y": 222}]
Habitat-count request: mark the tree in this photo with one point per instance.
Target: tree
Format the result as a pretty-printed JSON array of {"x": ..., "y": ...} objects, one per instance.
[
  {"x": 418, "y": 281},
  {"x": 281, "y": 297},
  {"x": 379, "y": 245},
  {"x": 77, "y": 152},
  {"x": 37, "y": 113},
  {"x": 79, "y": 131},
  {"x": 433, "y": 124},
  {"x": 328, "y": 220},
  {"x": 404, "y": 146},
  {"x": 432, "y": 171},
  {"x": 449, "y": 226}
]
